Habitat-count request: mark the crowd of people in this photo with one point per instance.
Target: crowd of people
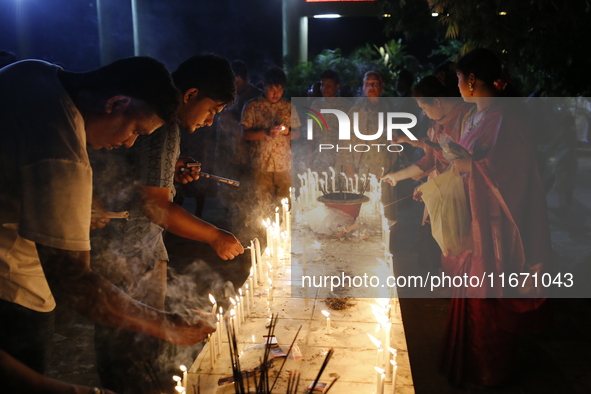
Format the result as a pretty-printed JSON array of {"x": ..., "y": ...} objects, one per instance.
[{"x": 61, "y": 175}]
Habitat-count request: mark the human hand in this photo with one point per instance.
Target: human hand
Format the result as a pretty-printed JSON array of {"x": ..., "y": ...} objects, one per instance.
[
  {"x": 390, "y": 178},
  {"x": 98, "y": 214},
  {"x": 417, "y": 194},
  {"x": 279, "y": 129},
  {"x": 226, "y": 245},
  {"x": 184, "y": 174},
  {"x": 191, "y": 330}
]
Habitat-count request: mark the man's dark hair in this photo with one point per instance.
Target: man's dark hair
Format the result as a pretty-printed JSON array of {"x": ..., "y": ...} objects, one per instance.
[
  {"x": 142, "y": 78},
  {"x": 275, "y": 77},
  {"x": 330, "y": 74},
  {"x": 240, "y": 69},
  {"x": 210, "y": 74}
]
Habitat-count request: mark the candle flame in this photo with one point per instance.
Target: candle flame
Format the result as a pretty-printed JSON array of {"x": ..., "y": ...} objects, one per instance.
[
  {"x": 394, "y": 363},
  {"x": 232, "y": 301},
  {"x": 246, "y": 287},
  {"x": 232, "y": 312},
  {"x": 180, "y": 389},
  {"x": 379, "y": 370},
  {"x": 375, "y": 341},
  {"x": 177, "y": 378},
  {"x": 393, "y": 351},
  {"x": 221, "y": 311},
  {"x": 240, "y": 292},
  {"x": 212, "y": 299},
  {"x": 325, "y": 313},
  {"x": 276, "y": 209},
  {"x": 183, "y": 368}
]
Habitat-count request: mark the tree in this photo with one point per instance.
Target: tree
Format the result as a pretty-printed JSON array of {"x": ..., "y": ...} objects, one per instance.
[{"x": 544, "y": 43}]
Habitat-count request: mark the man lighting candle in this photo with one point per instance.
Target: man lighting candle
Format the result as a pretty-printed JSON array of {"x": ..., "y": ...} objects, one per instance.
[{"x": 48, "y": 116}]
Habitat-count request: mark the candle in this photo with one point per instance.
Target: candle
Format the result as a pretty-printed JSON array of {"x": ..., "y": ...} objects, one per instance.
[
  {"x": 211, "y": 360},
  {"x": 270, "y": 292},
  {"x": 395, "y": 368},
  {"x": 380, "y": 380},
  {"x": 241, "y": 304},
  {"x": 236, "y": 314},
  {"x": 325, "y": 177},
  {"x": 315, "y": 175},
  {"x": 260, "y": 262},
  {"x": 380, "y": 349},
  {"x": 346, "y": 182},
  {"x": 277, "y": 223},
  {"x": 220, "y": 319},
  {"x": 356, "y": 183},
  {"x": 288, "y": 227},
  {"x": 248, "y": 298},
  {"x": 215, "y": 304},
  {"x": 392, "y": 355},
  {"x": 253, "y": 260},
  {"x": 351, "y": 189},
  {"x": 184, "y": 370},
  {"x": 218, "y": 332},
  {"x": 332, "y": 173},
  {"x": 328, "y": 327}
]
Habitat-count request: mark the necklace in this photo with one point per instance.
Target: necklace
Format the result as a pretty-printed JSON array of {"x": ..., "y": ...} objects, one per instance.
[{"x": 473, "y": 121}]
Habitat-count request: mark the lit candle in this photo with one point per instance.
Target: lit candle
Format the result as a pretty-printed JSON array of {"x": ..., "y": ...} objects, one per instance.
[
  {"x": 356, "y": 183},
  {"x": 184, "y": 370},
  {"x": 179, "y": 387},
  {"x": 315, "y": 175},
  {"x": 332, "y": 173},
  {"x": 288, "y": 226},
  {"x": 395, "y": 368},
  {"x": 248, "y": 298},
  {"x": 260, "y": 262},
  {"x": 253, "y": 260},
  {"x": 220, "y": 319},
  {"x": 328, "y": 327},
  {"x": 277, "y": 222},
  {"x": 241, "y": 304},
  {"x": 351, "y": 189},
  {"x": 380, "y": 380},
  {"x": 236, "y": 314},
  {"x": 215, "y": 304},
  {"x": 380, "y": 348},
  {"x": 325, "y": 177},
  {"x": 392, "y": 355}
]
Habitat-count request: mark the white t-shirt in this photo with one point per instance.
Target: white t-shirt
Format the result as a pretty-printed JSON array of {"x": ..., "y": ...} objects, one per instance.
[{"x": 45, "y": 179}]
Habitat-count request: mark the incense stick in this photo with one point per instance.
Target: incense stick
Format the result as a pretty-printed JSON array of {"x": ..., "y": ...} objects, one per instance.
[
  {"x": 285, "y": 359},
  {"x": 329, "y": 386},
  {"x": 324, "y": 364}
]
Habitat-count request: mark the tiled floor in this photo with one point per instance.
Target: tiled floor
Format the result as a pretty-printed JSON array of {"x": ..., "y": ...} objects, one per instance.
[{"x": 355, "y": 356}]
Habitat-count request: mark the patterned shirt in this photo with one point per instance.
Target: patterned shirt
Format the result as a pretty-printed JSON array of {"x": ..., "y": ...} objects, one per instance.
[
  {"x": 119, "y": 174},
  {"x": 270, "y": 154}
]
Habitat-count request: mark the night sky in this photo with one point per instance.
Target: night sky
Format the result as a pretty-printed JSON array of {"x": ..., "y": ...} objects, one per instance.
[{"x": 66, "y": 31}]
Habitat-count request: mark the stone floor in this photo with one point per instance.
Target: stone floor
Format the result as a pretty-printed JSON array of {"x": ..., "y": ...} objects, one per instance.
[{"x": 558, "y": 361}]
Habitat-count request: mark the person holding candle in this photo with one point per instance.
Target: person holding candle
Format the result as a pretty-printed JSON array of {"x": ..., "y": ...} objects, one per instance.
[
  {"x": 49, "y": 117},
  {"x": 141, "y": 180},
  {"x": 446, "y": 110},
  {"x": 509, "y": 230},
  {"x": 269, "y": 124}
]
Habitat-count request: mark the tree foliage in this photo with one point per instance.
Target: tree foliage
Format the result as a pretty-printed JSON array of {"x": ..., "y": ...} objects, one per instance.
[
  {"x": 544, "y": 43},
  {"x": 388, "y": 59}
]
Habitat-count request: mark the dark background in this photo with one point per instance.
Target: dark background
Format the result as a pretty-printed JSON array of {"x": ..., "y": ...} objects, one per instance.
[{"x": 66, "y": 31}]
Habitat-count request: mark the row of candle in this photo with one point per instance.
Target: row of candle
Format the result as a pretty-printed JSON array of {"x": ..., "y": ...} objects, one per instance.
[{"x": 311, "y": 186}]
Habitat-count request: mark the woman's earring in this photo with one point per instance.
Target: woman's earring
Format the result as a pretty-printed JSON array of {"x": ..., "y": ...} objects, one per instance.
[{"x": 471, "y": 88}]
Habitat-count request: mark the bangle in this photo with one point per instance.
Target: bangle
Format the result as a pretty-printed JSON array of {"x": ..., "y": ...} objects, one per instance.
[{"x": 96, "y": 390}]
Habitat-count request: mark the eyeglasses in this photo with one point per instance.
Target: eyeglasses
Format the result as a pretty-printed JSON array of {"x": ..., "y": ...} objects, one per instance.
[{"x": 372, "y": 84}]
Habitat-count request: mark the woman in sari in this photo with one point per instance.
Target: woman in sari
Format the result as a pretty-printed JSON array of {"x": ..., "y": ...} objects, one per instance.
[{"x": 509, "y": 232}]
